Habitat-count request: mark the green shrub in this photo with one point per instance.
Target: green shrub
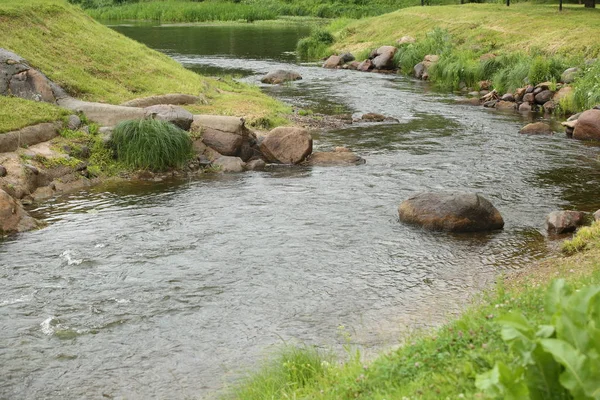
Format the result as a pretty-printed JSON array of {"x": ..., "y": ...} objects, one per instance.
[
  {"x": 560, "y": 360},
  {"x": 587, "y": 87},
  {"x": 545, "y": 69},
  {"x": 151, "y": 144},
  {"x": 316, "y": 45},
  {"x": 436, "y": 42},
  {"x": 511, "y": 72},
  {"x": 457, "y": 67}
]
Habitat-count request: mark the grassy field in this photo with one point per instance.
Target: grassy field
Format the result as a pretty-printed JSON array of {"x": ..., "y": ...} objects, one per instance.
[
  {"x": 442, "y": 364},
  {"x": 92, "y": 62},
  {"x": 16, "y": 113}
]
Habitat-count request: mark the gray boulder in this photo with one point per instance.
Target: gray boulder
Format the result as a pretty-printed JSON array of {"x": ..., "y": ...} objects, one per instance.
[
  {"x": 280, "y": 76},
  {"x": 559, "y": 222},
  {"x": 229, "y": 164},
  {"x": 226, "y": 135},
  {"x": 18, "y": 79},
  {"x": 544, "y": 96},
  {"x": 569, "y": 75},
  {"x": 451, "y": 211},
  {"x": 385, "y": 57},
  {"x": 173, "y": 114},
  {"x": 347, "y": 57},
  {"x": 333, "y": 159},
  {"x": 365, "y": 66}
]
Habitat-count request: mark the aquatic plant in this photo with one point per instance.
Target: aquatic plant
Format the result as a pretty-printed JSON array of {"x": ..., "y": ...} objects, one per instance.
[{"x": 151, "y": 144}]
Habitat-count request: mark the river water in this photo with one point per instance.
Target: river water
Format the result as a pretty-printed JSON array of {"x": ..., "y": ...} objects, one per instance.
[{"x": 171, "y": 290}]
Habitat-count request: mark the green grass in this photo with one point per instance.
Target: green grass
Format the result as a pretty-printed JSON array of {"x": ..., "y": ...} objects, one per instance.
[
  {"x": 95, "y": 63},
  {"x": 151, "y": 144},
  {"x": 16, "y": 113},
  {"x": 444, "y": 363}
]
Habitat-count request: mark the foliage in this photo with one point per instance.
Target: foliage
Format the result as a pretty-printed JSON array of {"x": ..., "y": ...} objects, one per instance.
[
  {"x": 544, "y": 69},
  {"x": 316, "y": 45},
  {"x": 457, "y": 67},
  {"x": 560, "y": 360},
  {"x": 583, "y": 240},
  {"x": 587, "y": 87},
  {"x": 436, "y": 41},
  {"x": 512, "y": 73},
  {"x": 17, "y": 113},
  {"x": 151, "y": 144}
]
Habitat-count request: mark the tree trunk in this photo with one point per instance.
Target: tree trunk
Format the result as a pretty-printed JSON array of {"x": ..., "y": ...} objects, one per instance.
[{"x": 590, "y": 3}]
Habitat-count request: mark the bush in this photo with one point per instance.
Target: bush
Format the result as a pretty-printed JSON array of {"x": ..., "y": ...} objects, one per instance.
[
  {"x": 315, "y": 46},
  {"x": 151, "y": 144},
  {"x": 511, "y": 72},
  {"x": 545, "y": 69},
  {"x": 560, "y": 360},
  {"x": 436, "y": 42},
  {"x": 455, "y": 68},
  {"x": 587, "y": 87}
]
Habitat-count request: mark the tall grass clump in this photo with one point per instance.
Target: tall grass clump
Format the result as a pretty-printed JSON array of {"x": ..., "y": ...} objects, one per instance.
[
  {"x": 151, "y": 144},
  {"x": 510, "y": 72},
  {"x": 587, "y": 87},
  {"x": 436, "y": 42},
  {"x": 316, "y": 45},
  {"x": 457, "y": 67},
  {"x": 545, "y": 69},
  {"x": 292, "y": 370}
]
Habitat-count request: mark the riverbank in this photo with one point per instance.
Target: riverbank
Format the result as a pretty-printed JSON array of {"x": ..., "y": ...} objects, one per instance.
[
  {"x": 477, "y": 45},
  {"x": 449, "y": 362}
]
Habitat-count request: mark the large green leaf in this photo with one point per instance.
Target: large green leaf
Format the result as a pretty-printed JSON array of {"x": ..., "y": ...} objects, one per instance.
[
  {"x": 503, "y": 382},
  {"x": 555, "y": 296}
]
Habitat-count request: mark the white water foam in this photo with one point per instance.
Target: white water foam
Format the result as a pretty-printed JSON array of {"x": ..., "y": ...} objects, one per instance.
[{"x": 67, "y": 255}]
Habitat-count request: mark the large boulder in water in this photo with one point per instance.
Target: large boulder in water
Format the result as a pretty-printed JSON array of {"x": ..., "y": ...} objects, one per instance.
[
  {"x": 287, "y": 145},
  {"x": 451, "y": 211},
  {"x": 333, "y": 159},
  {"x": 224, "y": 134},
  {"x": 333, "y": 62},
  {"x": 13, "y": 218},
  {"x": 588, "y": 126},
  {"x": 565, "y": 221},
  {"x": 173, "y": 114},
  {"x": 280, "y": 76}
]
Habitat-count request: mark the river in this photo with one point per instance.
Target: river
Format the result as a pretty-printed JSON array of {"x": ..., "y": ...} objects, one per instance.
[{"x": 173, "y": 289}]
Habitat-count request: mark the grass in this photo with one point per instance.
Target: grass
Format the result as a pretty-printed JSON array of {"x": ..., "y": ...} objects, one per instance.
[
  {"x": 95, "y": 63},
  {"x": 151, "y": 144},
  {"x": 444, "y": 363},
  {"x": 16, "y": 113}
]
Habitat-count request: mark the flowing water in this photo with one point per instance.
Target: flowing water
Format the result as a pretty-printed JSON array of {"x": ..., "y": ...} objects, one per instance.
[{"x": 169, "y": 290}]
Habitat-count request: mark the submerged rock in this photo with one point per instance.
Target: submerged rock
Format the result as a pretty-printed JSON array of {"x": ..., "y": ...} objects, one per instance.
[
  {"x": 451, "y": 211},
  {"x": 229, "y": 164},
  {"x": 559, "y": 222},
  {"x": 333, "y": 158},
  {"x": 13, "y": 218},
  {"x": 280, "y": 76},
  {"x": 536, "y": 128}
]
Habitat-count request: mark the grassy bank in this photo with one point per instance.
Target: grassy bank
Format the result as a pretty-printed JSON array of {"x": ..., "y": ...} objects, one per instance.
[
  {"x": 92, "y": 62},
  {"x": 16, "y": 113},
  {"x": 532, "y": 42},
  {"x": 446, "y": 362}
]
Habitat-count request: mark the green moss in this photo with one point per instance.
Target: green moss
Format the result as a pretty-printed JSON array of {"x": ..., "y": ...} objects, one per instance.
[{"x": 16, "y": 113}]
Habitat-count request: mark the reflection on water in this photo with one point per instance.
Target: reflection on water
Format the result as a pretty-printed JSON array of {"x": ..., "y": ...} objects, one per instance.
[{"x": 143, "y": 290}]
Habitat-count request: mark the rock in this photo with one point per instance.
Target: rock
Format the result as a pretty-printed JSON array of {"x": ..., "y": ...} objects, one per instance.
[
  {"x": 485, "y": 85},
  {"x": 3, "y": 171},
  {"x": 225, "y": 143},
  {"x": 529, "y": 89},
  {"x": 280, "y": 76},
  {"x": 588, "y": 126},
  {"x": 347, "y": 57},
  {"x": 103, "y": 114},
  {"x": 226, "y": 135},
  {"x": 543, "y": 86},
  {"x": 529, "y": 98},
  {"x": 29, "y": 136},
  {"x": 549, "y": 106},
  {"x": 373, "y": 117},
  {"x": 419, "y": 70},
  {"x": 430, "y": 59},
  {"x": 13, "y": 218},
  {"x": 365, "y": 65},
  {"x": 519, "y": 93},
  {"x": 286, "y": 145},
  {"x": 525, "y": 107},
  {"x": 333, "y": 62},
  {"x": 490, "y": 103},
  {"x": 451, "y": 211},
  {"x": 229, "y": 164},
  {"x": 73, "y": 122},
  {"x": 333, "y": 158},
  {"x": 574, "y": 117},
  {"x": 569, "y": 75},
  {"x": 569, "y": 124},
  {"x": 597, "y": 216},
  {"x": 353, "y": 65},
  {"x": 473, "y": 94},
  {"x": 508, "y": 97},
  {"x": 537, "y": 90},
  {"x": 341, "y": 150},
  {"x": 559, "y": 222},
  {"x": 563, "y": 93},
  {"x": 536, "y": 128},
  {"x": 505, "y": 105},
  {"x": 256, "y": 165},
  {"x": 385, "y": 57},
  {"x": 544, "y": 96},
  {"x": 177, "y": 99},
  {"x": 406, "y": 40},
  {"x": 176, "y": 115}
]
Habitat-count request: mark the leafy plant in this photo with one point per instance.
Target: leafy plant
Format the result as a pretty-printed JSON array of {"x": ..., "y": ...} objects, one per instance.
[
  {"x": 151, "y": 144},
  {"x": 556, "y": 361},
  {"x": 316, "y": 45}
]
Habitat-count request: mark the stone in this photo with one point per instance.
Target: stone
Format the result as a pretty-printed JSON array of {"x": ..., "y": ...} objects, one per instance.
[
  {"x": 3, "y": 171},
  {"x": 549, "y": 106},
  {"x": 225, "y": 143},
  {"x": 508, "y": 97},
  {"x": 574, "y": 117},
  {"x": 505, "y": 105},
  {"x": 473, "y": 94},
  {"x": 536, "y": 128},
  {"x": 525, "y": 107},
  {"x": 484, "y": 93},
  {"x": 373, "y": 117},
  {"x": 353, "y": 65},
  {"x": 419, "y": 70},
  {"x": 385, "y": 57},
  {"x": 176, "y": 99},
  {"x": 406, "y": 40},
  {"x": 347, "y": 57},
  {"x": 588, "y": 126},
  {"x": 333, "y": 62},
  {"x": 31, "y": 85},
  {"x": 13, "y": 218},
  {"x": 286, "y": 145},
  {"x": 529, "y": 98},
  {"x": 451, "y": 211},
  {"x": 537, "y": 90},
  {"x": 544, "y": 96},
  {"x": 485, "y": 85},
  {"x": 227, "y": 135},
  {"x": 543, "y": 86},
  {"x": 256, "y": 165},
  {"x": 365, "y": 66},
  {"x": 333, "y": 158},
  {"x": 73, "y": 122},
  {"x": 559, "y": 222},
  {"x": 597, "y": 216},
  {"x": 280, "y": 76},
  {"x": 101, "y": 113},
  {"x": 563, "y": 93},
  {"x": 568, "y": 76},
  {"x": 176, "y": 115},
  {"x": 519, "y": 93},
  {"x": 430, "y": 59},
  {"x": 490, "y": 104},
  {"x": 229, "y": 164},
  {"x": 29, "y": 136}
]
